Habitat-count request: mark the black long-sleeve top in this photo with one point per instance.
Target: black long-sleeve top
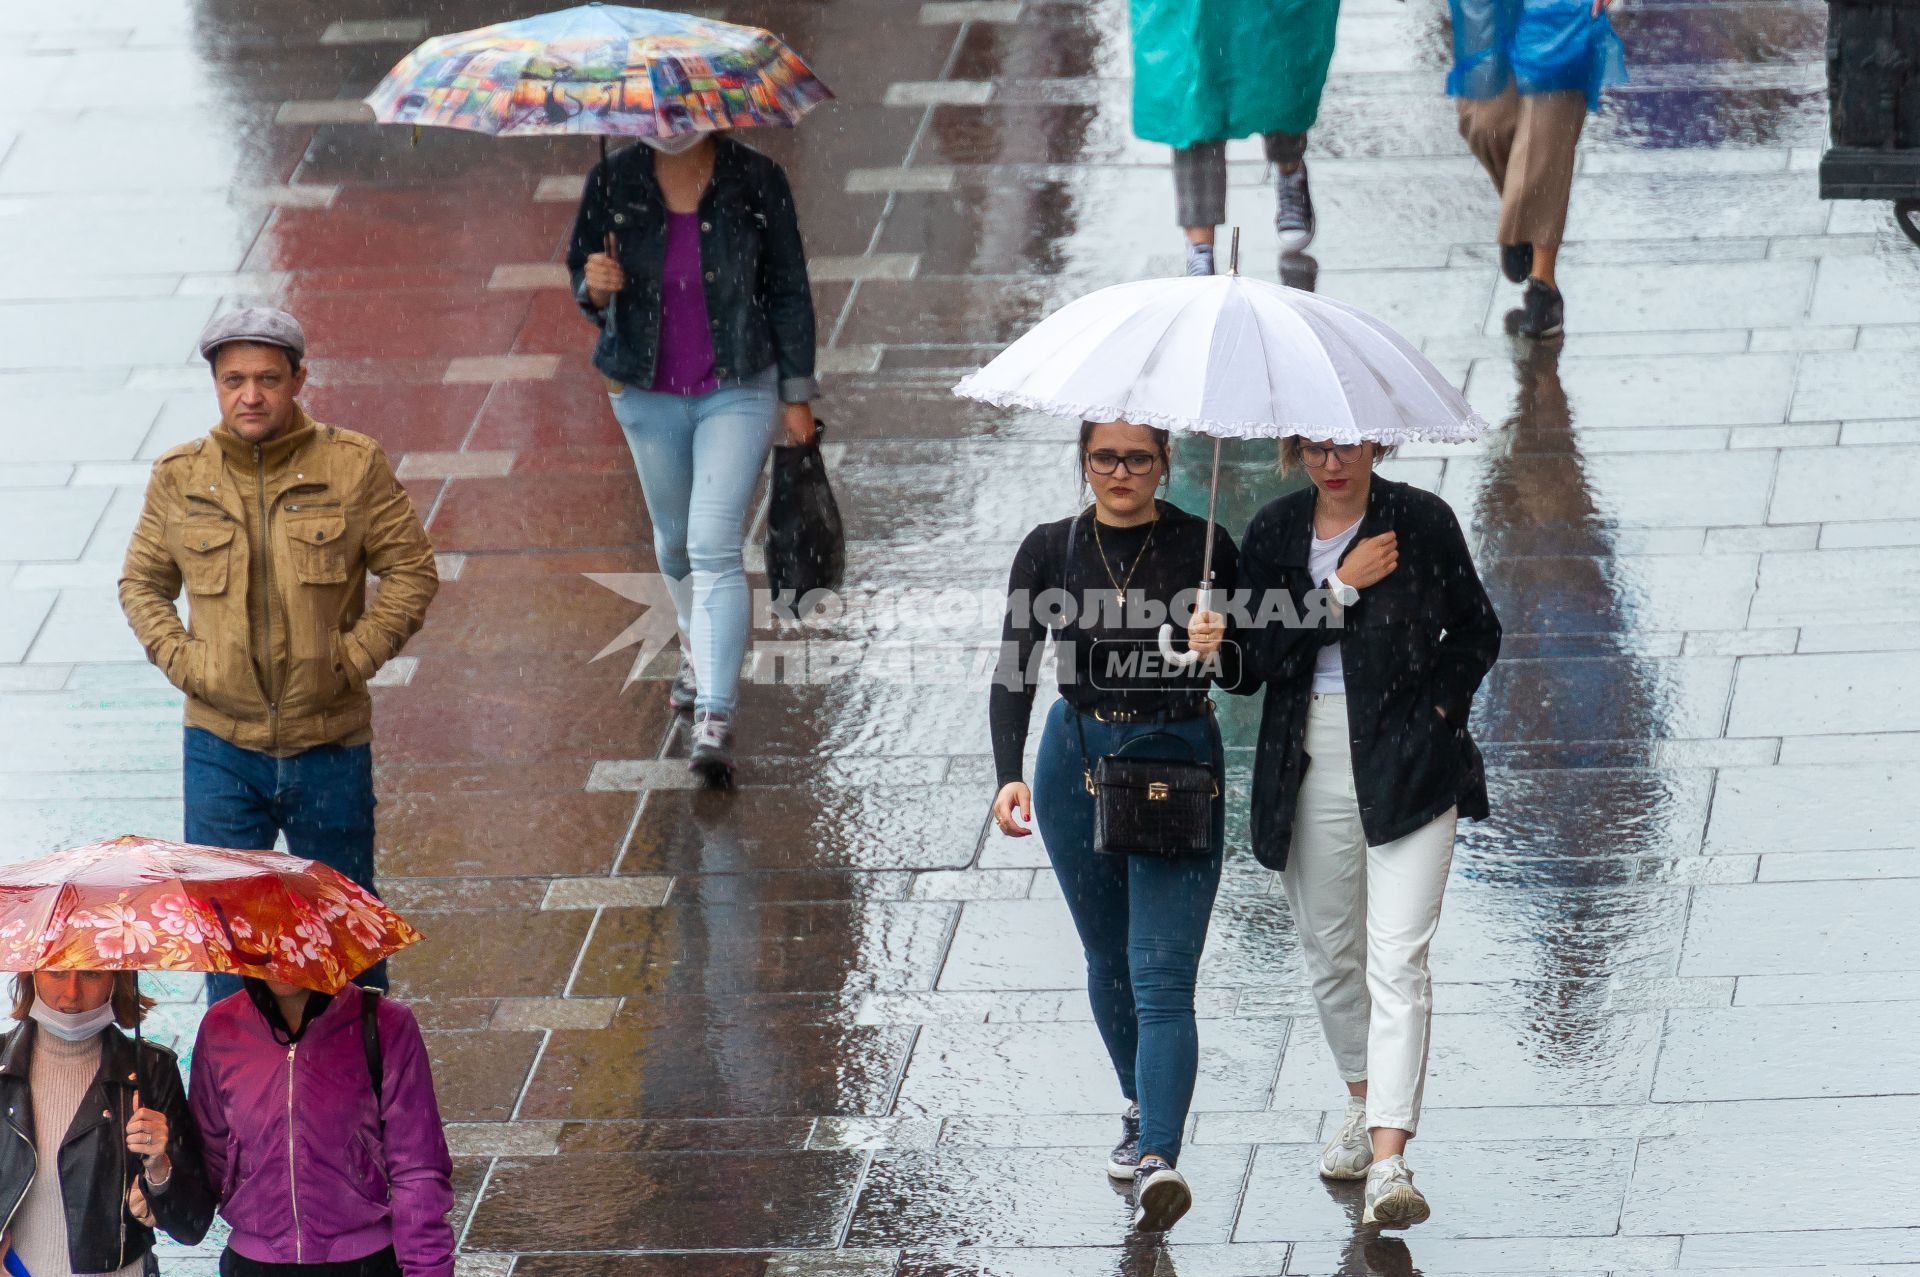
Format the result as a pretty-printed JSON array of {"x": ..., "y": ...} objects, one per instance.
[{"x": 1110, "y": 653}]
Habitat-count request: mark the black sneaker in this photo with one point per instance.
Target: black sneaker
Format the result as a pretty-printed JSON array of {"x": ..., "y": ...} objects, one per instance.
[
  {"x": 1125, "y": 1157},
  {"x": 1544, "y": 312},
  {"x": 1516, "y": 261},
  {"x": 712, "y": 753},
  {"x": 1160, "y": 1197},
  {"x": 1294, "y": 216}
]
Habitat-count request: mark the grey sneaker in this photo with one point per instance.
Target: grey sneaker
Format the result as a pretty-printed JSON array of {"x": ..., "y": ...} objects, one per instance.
[
  {"x": 1160, "y": 1197},
  {"x": 1125, "y": 1158},
  {"x": 1199, "y": 259},
  {"x": 712, "y": 752},
  {"x": 1294, "y": 216},
  {"x": 1348, "y": 1154},
  {"x": 1392, "y": 1200},
  {"x": 685, "y": 689}
]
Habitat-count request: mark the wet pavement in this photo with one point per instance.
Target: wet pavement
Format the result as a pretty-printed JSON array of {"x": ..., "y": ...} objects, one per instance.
[{"x": 832, "y": 1023}]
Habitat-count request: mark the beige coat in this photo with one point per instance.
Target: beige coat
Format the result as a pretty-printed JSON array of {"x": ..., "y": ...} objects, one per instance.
[{"x": 273, "y": 544}]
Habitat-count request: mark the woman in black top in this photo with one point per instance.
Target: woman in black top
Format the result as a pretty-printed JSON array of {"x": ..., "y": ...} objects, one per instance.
[
  {"x": 1363, "y": 767},
  {"x": 1142, "y": 919}
]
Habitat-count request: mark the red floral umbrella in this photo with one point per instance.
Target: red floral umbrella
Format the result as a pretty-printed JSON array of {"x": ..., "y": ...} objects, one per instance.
[{"x": 142, "y": 904}]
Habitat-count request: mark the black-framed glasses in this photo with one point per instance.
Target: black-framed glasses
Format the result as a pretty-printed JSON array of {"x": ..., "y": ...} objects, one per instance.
[
  {"x": 1315, "y": 454},
  {"x": 1104, "y": 462}
]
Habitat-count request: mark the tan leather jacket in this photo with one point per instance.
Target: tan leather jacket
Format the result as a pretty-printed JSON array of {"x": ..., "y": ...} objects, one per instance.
[{"x": 273, "y": 543}]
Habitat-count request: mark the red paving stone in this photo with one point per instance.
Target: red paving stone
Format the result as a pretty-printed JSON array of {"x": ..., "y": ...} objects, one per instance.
[
  {"x": 429, "y": 418},
  {"x": 410, "y": 324},
  {"x": 569, "y": 410},
  {"x": 542, "y": 512}
]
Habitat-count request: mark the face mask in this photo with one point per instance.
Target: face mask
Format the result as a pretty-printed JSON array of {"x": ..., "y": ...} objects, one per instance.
[
  {"x": 679, "y": 144},
  {"x": 74, "y": 1026}
]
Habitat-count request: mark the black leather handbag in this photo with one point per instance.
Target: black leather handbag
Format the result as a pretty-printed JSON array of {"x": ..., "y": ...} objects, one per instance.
[{"x": 1149, "y": 806}]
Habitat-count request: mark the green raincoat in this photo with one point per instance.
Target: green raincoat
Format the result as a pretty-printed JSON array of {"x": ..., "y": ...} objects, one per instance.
[{"x": 1214, "y": 70}]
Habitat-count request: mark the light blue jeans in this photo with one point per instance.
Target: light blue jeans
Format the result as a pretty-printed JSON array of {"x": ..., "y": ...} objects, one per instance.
[{"x": 699, "y": 458}]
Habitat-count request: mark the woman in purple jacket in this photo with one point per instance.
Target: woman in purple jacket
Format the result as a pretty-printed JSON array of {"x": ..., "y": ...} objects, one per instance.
[{"x": 318, "y": 1161}]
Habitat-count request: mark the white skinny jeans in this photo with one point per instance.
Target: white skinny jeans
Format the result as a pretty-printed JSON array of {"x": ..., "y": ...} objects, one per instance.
[{"x": 1366, "y": 918}]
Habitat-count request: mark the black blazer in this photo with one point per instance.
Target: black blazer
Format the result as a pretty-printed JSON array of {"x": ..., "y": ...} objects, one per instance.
[
  {"x": 758, "y": 298},
  {"x": 95, "y": 1168},
  {"x": 1414, "y": 643}
]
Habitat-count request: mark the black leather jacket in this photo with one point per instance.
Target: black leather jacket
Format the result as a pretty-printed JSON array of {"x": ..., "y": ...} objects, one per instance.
[
  {"x": 758, "y": 298},
  {"x": 95, "y": 1168},
  {"x": 1415, "y": 643}
]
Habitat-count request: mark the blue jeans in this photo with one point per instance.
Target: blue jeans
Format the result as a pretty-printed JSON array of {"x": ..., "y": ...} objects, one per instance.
[
  {"x": 699, "y": 458},
  {"x": 322, "y": 799},
  {"x": 1142, "y": 919}
]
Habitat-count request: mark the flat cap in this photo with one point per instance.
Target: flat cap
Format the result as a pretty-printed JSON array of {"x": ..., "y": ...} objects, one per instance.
[{"x": 255, "y": 324}]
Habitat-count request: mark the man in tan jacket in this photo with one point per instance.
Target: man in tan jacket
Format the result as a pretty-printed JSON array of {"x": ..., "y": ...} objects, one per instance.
[{"x": 272, "y": 523}]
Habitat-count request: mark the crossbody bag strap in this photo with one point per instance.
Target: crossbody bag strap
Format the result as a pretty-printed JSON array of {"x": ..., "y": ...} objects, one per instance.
[{"x": 370, "y": 1046}]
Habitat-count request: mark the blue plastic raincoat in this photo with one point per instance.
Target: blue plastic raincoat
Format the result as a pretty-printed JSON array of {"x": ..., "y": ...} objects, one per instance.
[
  {"x": 1215, "y": 70},
  {"x": 1537, "y": 46}
]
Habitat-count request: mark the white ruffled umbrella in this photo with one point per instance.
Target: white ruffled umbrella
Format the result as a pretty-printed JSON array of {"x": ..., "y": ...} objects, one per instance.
[{"x": 1230, "y": 357}]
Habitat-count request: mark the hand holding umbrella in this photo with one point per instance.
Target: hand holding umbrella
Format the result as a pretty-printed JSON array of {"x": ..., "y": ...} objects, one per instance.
[{"x": 604, "y": 275}]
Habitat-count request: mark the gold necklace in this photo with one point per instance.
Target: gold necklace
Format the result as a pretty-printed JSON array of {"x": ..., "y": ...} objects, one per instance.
[{"x": 1120, "y": 586}]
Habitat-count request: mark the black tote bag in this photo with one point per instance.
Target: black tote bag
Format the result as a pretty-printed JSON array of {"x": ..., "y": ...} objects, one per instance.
[{"x": 806, "y": 543}]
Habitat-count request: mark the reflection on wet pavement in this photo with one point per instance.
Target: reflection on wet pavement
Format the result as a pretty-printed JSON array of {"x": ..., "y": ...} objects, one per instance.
[{"x": 832, "y": 1023}]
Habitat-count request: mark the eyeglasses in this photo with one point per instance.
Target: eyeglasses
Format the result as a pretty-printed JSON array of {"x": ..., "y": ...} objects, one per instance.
[
  {"x": 1315, "y": 454},
  {"x": 1104, "y": 462}
]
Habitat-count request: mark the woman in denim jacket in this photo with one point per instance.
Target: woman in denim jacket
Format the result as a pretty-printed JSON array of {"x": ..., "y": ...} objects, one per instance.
[{"x": 687, "y": 254}]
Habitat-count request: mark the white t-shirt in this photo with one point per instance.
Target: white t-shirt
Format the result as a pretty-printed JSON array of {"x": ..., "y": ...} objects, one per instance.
[{"x": 1328, "y": 675}]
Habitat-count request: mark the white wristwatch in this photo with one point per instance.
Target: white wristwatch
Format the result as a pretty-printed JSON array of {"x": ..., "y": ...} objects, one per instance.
[{"x": 1343, "y": 594}]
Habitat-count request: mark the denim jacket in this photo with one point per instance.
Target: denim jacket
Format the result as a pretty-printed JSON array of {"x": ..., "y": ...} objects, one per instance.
[{"x": 758, "y": 299}]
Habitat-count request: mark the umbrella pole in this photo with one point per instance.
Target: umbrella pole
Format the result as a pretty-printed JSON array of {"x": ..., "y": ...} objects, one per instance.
[
  {"x": 1213, "y": 500},
  {"x": 1233, "y": 254}
]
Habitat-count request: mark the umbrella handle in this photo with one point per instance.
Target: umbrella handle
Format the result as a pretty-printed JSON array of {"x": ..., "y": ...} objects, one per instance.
[{"x": 1203, "y": 602}]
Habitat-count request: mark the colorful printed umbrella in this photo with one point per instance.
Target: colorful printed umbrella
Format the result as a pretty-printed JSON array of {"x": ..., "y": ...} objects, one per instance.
[
  {"x": 600, "y": 69},
  {"x": 141, "y": 904}
]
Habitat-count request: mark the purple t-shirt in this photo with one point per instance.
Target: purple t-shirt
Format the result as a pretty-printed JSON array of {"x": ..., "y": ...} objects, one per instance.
[{"x": 686, "y": 345}]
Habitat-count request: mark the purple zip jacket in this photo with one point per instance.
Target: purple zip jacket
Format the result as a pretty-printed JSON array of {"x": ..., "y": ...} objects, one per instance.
[{"x": 293, "y": 1144}]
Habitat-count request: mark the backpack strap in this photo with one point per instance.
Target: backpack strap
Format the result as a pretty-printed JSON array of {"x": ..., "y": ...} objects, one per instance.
[{"x": 370, "y": 1042}]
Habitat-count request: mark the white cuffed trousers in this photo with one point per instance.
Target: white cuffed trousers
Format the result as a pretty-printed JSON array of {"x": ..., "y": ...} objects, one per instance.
[{"x": 1366, "y": 918}]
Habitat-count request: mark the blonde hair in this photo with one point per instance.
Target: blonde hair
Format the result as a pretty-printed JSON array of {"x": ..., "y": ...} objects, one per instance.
[
  {"x": 1291, "y": 461},
  {"x": 127, "y": 1011}
]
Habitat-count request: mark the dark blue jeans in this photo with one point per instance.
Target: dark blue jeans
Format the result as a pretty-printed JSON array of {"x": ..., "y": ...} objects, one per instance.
[
  {"x": 322, "y": 799},
  {"x": 1142, "y": 919}
]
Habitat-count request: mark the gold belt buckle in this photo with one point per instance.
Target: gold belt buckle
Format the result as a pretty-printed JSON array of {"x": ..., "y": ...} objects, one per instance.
[{"x": 1157, "y": 791}]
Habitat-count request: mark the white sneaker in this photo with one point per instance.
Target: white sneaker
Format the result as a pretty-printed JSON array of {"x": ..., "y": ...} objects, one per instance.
[
  {"x": 1348, "y": 1154},
  {"x": 1199, "y": 259},
  {"x": 1392, "y": 1200}
]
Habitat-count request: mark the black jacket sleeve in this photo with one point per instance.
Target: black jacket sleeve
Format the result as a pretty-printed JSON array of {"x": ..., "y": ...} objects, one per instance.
[
  {"x": 589, "y": 237},
  {"x": 1274, "y": 652},
  {"x": 1470, "y": 641},
  {"x": 183, "y": 1209},
  {"x": 785, "y": 291},
  {"x": 1022, "y": 637}
]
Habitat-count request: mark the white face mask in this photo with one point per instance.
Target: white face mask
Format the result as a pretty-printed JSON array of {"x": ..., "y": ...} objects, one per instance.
[
  {"x": 678, "y": 144},
  {"x": 74, "y": 1026}
]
